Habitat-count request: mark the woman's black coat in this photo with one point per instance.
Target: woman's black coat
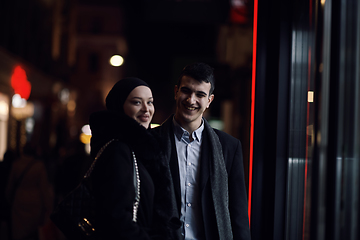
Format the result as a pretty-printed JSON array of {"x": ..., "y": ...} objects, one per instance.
[{"x": 113, "y": 181}]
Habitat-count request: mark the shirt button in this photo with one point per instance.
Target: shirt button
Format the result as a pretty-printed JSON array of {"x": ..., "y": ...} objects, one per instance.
[
  {"x": 189, "y": 184},
  {"x": 189, "y": 204},
  {"x": 189, "y": 163},
  {"x": 187, "y": 225}
]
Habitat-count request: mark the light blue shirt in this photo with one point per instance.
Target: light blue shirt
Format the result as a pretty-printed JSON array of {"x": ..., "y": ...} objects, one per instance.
[{"x": 188, "y": 153}]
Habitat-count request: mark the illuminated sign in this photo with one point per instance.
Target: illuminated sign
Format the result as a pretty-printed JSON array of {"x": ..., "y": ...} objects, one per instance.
[{"x": 20, "y": 84}]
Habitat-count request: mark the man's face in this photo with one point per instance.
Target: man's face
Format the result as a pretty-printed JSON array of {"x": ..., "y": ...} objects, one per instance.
[{"x": 192, "y": 99}]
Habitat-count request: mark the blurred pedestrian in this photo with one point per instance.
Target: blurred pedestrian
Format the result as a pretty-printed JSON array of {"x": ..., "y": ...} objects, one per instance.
[
  {"x": 5, "y": 167},
  {"x": 71, "y": 169},
  {"x": 30, "y": 195}
]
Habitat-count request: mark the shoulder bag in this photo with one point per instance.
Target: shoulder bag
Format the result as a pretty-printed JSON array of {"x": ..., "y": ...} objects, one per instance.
[{"x": 75, "y": 214}]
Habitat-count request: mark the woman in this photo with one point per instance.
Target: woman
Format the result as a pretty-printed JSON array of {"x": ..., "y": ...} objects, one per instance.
[{"x": 124, "y": 124}]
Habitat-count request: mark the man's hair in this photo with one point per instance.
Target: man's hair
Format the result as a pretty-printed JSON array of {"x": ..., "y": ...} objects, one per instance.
[{"x": 201, "y": 72}]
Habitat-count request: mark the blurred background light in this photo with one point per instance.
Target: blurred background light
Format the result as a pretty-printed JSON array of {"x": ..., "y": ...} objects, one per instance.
[
  {"x": 64, "y": 96},
  {"x": 18, "y": 101},
  {"x": 116, "y": 60},
  {"x": 71, "y": 106},
  {"x": 25, "y": 111},
  {"x": 310, "y": 96},
  {"x": 84, "y": 138},
  {"x": 86, "y": 129},
  {"x": 154, "y": 125},
  {"x": 4, "y": 108},
  {"x": 85, "y": 135},
  {"x": 216, "y": 123},
  {"x": 87, "y": 148},
  {"x": 20, "y": 84},
  {"x": 29, "y": 124}
]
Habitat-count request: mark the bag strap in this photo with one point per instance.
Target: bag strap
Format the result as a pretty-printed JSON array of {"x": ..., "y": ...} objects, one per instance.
[
  {"x": 137, "y": 187},
  {"x": 136, "y": 177},
  {"x": 87, "y": 174}
]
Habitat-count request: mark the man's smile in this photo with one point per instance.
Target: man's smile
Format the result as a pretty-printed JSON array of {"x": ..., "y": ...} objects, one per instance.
[{"x": 190, "y": 108}]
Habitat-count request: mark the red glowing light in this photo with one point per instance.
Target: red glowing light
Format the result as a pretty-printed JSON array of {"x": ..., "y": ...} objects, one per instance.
[
  {"x": 239, "y": 15},
  {"x": 20, "y": 84},
  {"x": 239, "y": 12},
  {"x": 253, "y": 81}
]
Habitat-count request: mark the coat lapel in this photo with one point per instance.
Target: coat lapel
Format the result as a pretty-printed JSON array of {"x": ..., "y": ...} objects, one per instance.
[
  {"x": 204, "y": 162},
  {"x": 174, "y": 168},
  {"x": 171, "y": 154}
]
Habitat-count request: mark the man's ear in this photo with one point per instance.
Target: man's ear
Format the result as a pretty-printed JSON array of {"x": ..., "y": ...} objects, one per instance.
[
  {"x": 176, "y": 89},
  {"x": 210, "y": 99}
]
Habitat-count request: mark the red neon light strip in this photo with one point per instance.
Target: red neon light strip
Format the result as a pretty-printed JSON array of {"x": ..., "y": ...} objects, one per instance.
[
  {"x": 307, "y": 124},
  {"x": 307, "y": 144},
  {"x": 252, "y": 105}
]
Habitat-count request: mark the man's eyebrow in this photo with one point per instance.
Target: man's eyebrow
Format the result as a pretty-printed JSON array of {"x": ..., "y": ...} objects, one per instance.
[
  {"x": 186, "y": 88},
  {"x": 198, "y": 92},
  {"x": 201, "y": 92}
]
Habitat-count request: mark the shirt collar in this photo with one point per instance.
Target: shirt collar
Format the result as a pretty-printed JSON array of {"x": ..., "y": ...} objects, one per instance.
[{"x": 180, "y": 131}]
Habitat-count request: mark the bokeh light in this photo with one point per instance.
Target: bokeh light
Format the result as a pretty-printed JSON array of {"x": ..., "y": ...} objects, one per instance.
[
  {"x": 116, "y": 60},
  {"x": 18, "y": 101}
]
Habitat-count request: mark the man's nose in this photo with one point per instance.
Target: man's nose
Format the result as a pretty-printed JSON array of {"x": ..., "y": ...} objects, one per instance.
[{"x": 191, "y": 99}]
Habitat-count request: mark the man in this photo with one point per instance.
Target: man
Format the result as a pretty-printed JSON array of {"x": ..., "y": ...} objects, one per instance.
[{"x": 206, "y": 164}]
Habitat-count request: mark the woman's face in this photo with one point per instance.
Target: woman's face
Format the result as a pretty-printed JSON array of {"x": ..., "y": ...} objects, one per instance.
[{"x": 139, "y": 105}]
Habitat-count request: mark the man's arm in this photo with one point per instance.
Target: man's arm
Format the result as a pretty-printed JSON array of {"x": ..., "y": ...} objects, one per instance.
[{"x": 238, "y": 205}]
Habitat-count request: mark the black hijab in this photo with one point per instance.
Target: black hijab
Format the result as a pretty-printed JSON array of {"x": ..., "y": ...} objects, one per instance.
[
  {"x": 113, "y": 123},
  {"x": 120, "y": 91}
]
